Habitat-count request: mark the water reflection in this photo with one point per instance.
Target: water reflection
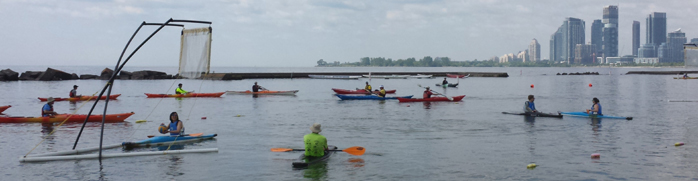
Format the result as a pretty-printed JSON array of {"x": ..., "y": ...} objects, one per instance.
[
  {"x": 316, "y": 171},
  {"x": 72, "y": 105},
  {"x": 356, "y": 162},
  {"x": 427, "y": 105},
  {"x": 595, "y": 124}
]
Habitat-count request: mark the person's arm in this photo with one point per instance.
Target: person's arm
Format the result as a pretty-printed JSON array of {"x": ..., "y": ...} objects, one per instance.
[
  {"x": 46, "y": 110},
  {"x": 526, "y": 108},
  {"x": 167, "y": 129},
  {"x": 326, "y": 147}
]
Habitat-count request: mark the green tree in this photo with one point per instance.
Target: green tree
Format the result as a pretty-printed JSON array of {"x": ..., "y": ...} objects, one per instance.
[{"x": 321, "y": 63}]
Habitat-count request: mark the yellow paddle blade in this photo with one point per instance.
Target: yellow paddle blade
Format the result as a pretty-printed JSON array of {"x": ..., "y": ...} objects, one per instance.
[
  {"x": 357, "y": 150},
  {"x": 281, "y": 149},
  {"x": 141, "y": 121}
]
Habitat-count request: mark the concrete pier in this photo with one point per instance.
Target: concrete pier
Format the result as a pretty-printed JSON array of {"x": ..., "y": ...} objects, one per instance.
[
  {"x": 291, "y": 75},
  {"x": 681, "y": 72}
]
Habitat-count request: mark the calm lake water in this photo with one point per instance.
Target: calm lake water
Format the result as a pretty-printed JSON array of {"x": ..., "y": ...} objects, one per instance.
[{"x": 467, "y": 140}]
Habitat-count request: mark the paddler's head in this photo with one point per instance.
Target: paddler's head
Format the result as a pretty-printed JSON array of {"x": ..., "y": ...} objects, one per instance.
[
  {"x": 595, "y": 100},
  {"x": 255, "y": 83},
  {"x": 315, "y": 128},
  {"x": 444, "y": 78},
  {"x": 531, "y": 98},
  {"x": 381, "y": 86},
  {"x": 180, "y": 85},
  {"x": 174, "y": 117},
  {"x": 427, "y": 87},
  {"x": 75, "y": 86},
  {"x": 366, "y": 83},
  {"x": 50, "y": 100}
]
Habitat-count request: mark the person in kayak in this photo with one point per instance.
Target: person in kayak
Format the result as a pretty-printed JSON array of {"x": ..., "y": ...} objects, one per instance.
[
  {"x": 427, "y": 93},
  {"x": 256, "y": 88},
  {"x": 444, "y": 83},
  {"x": 529, "y": 106},
  {"x": 179, "y": 90},
  {"x": 315, "y": 144},
  {"x": 368, "y": 87},
  {"x": 74, "y": 92},
  {"x": 596, "y": 108},
  {"x": 685, "y": 76},
  {"x": 176, "y": 127},
  {"x": 47, "y": 110},
  {"x": 381, "y": 93}
]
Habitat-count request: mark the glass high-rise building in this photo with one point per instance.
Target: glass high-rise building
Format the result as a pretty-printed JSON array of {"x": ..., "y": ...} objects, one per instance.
[
  {"x": 574, "y": 35},
  {"x": 534, "y": 51},
  {"x": 597, "y": 36},
  {"x": 556, "y": 45},
  {"x": 675, "y": 41},
  {"x": 656, "y": 28},
  {"x": 610, "y": 31},
  {"x": 636, "y": 37}
]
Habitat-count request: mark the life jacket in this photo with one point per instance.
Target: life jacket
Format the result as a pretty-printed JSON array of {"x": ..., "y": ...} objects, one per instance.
[
  {"x": 173, "y": 127},
  {"x": 600, "y": 112},
  {"x": 42, "y": 110},
  {"x": 427, "y": 94}
]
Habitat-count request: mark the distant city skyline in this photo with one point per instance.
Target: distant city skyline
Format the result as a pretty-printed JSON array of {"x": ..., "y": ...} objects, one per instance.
[{"x": 298, "y": 33}]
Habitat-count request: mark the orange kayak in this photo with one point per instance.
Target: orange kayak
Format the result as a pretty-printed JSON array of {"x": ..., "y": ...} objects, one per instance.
[
  {"x": 81, "y": 98},
  {"x": 3, "y": 108},
  {"x": 74, "y": 118},
  {"x": 215, "y": 94}
]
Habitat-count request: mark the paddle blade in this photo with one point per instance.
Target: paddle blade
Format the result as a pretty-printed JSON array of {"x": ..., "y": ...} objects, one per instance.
[
  {"x": 150, "y": 136},
  {"x": 281, "y": 149},
  {"x": 196, "y": 134},
  {"x": 357, "y": 150}
]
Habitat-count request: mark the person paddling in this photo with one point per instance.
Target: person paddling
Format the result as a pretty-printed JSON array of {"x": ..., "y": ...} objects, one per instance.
[
  {"x": 382, "y": 92},
  {"x": 74, "y": 92},
  {"x": 315, "y": 144},
  {"x": 179, "y": 90},
  {"x": 685, "y": 76},
  {"x": 596, "y": 108},
  {"x": 176, "y": 127},
  {"x": 427, "y": 93},
  {"x": 445, "y": 82},
  {"x": 368, "y": 88},
  {"x": 256, "y": 88},
  {"x": 529, "y": 106},
  {"x": 47, "y": 110}
]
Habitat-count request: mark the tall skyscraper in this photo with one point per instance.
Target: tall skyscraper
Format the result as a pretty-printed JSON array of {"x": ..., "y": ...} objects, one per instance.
[
  {"x": 534, "y": 51},
  {"x": 656, "y": 29},
  {"x": 556, "y": 44},
  {"x": 573, "y": 35},
  {"x": 636, "y": 37},
  {"x": 597, "y": 36},
  {"x": 610, "y": 31},
  {"x": 675, "y": 41}
]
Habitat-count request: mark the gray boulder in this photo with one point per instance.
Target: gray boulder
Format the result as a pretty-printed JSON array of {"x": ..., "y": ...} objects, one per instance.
[
  {"x": 8, "y": 74},
  {"x": 53, "y": 74}
]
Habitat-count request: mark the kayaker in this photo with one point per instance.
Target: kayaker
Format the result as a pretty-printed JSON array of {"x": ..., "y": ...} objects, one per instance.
[
  {"x": 529, "y": 106},
  {"x": 444, "y": 83},
  {"x": 74, "y": 92},
  {"x": 381, "y": 93},
  {"x": 176, "y": 127},
  {"x": 256, "y": 88},
  {"x": 179, "y": 90},
  {"x": 47, "y": 110},
  {"x": 427, "y": 93},
  {"x": 368, "y": 87},
  {"x": 596, "y": 108},
  {"x": 685, "y": 76},
  {"x": 315, "y": 144}
]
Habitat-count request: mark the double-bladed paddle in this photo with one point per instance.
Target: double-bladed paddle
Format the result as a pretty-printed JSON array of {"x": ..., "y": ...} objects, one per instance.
[
  {"x": 356, "y": 150},
  {"x": 437, "y": 93},
  {"x": 192, "y": 135}
]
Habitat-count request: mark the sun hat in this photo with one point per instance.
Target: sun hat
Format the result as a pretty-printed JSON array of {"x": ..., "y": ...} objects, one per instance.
[
  {"x": 381, "y": 86},
  {"x": 50, "y": 99},
  {"x": 427, "y": 87},
  {"x": 315, "y": 128}
]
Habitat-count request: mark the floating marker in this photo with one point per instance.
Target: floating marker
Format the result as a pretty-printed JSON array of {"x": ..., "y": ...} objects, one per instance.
[
  {"x": 408, "y": 105},
  {"x": 678, "y": 144},
  {"x": 203, "y": 117},
  {"x": 238, "y": 115},
  {"x": 531, "y": 85},
  {"x": 589, "y": 84},
  {"x": 595, "y": 155},
  {"x": 531, "y": 166}
]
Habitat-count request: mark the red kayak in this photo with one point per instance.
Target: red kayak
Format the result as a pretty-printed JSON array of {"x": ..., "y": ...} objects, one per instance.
[
  {"x": 433, "y": 99},
  {"x": 3, "y": 108},
  {"x": 456, "y": 76},
  {"x": 360, "y": 91},
  {"x": 81, "y": 98},
  {"x": 61, "y": 117},
  {"x": 215, "y": 94}
]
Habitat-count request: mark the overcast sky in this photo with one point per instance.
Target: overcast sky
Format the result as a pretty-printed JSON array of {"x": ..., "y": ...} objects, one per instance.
[{"x": 278, "y": 33}]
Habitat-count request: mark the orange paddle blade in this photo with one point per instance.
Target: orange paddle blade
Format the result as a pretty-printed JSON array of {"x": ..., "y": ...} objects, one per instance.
[
  {"x": 357, "y": 150},
  {"x": 150, "y": 136},
  {"x": 281, "y": 149},
  {"x": 196, "y": 134}
]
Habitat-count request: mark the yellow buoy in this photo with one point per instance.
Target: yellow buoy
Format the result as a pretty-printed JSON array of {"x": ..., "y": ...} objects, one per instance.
[
  {"x": 141, "y": 121},
  {"x": 532, "y": 165},
  {"x": 678, "y": 144},
  {"x": 238, "y": 115}
]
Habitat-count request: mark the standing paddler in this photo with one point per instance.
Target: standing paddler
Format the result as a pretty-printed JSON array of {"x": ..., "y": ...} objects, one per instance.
[
  {"x": 315, "y": 144},
  {"x": 529, "y": 106},
  {"x": 596, "y": 108}
]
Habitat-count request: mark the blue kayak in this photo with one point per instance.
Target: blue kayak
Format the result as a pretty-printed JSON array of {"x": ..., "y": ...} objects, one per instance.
[
  {"x": 368, "y": 97},
  {"x": 584, "y": 114},
  {"x": 167, "y": 140}
]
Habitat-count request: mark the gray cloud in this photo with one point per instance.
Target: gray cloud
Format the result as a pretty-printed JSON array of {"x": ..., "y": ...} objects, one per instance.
[{"x": 298, "y": 33}]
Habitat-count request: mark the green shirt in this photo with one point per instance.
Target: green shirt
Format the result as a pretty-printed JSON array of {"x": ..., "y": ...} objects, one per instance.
[
  {"x": 180, "y": 91},
  {"x": 315, "y": 144}
]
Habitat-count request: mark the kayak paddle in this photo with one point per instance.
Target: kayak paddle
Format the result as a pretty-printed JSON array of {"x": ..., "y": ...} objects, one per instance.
[
  {"x": 437, "y": 93},
  {"x": 193, "y": 135},
  {"x": 356, "y": 150}
]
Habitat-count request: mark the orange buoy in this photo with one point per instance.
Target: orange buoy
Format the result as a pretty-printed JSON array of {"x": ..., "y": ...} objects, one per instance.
[
  {"x": 531, "y": 85},
  {"x": 408, "y": 105},
  {"x": 589, "y": 84},
  {"x": 595, "y": 155},
  {"x": 203, "y": 117}
]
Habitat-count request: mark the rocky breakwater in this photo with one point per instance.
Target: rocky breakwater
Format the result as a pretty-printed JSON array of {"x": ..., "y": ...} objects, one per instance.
[{"x": 53, "y": 74}]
